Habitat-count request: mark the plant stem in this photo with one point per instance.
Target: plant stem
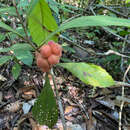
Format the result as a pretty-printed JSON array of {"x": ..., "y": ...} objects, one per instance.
[
  {"x": 24, "y": 28},
  {"x": 59, "y": 102},
  {"x": 122, "y": 103}
]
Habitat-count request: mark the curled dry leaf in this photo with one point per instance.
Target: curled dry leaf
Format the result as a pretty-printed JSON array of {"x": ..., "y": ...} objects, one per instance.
[
  {"x": 27, "y": 97},
  {"x": 31, "y": 92}
]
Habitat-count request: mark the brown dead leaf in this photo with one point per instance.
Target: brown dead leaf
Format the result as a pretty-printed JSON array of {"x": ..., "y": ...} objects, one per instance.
[
  {"x": 13, "y": 107},
  {"x": 73, "y": 91},
  {"x": 25, "y": 89},
  {"x": 70, "y": 111},
  {"x": 31, "y": 92},
  {"x": 27, "y": 97}
]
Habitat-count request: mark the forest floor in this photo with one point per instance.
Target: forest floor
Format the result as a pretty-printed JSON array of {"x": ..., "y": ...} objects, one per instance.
[{"x": 85, "y": 107}]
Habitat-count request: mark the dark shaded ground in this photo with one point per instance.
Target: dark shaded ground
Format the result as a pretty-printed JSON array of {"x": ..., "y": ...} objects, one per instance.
[{"x": 95, "y": 109}]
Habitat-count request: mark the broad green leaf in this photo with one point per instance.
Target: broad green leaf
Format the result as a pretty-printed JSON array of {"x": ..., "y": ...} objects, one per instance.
[
  {"x": 6, "y": 27},
  {"x": 16, "y": 69},
  {"x": 25, "y": 56},
  {"x": 95, "y": 21},
  {"x": 45, "y": 109},
  {"x": 85, "y": 21},
  {"x": 4, "y": 59},
  {"x": 17, "y": 47},
  {"x": 90, "y": 74},
  {"x": 31, "y": 6},
  {"x": 2, "y": 37},
  {"x": 41, "y": 22},
  {"x": 8, "y": 10}
]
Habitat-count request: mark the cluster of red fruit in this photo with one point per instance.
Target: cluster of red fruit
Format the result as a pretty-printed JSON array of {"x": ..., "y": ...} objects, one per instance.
[{"x": 48, "y": 56}]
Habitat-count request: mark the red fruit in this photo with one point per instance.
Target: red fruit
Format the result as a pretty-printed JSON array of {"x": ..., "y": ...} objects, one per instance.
[
  {"x": 53, "y": 59},
  {"x": 45, "y": 51},
  {"x": 42, "y": 63},
  {"x": 55, "y": 48}
]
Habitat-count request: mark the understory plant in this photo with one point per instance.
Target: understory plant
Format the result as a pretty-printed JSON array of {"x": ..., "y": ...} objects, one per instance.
[{"x": 39, "y": 33}]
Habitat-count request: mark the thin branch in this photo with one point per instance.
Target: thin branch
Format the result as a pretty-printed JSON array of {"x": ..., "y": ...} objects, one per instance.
[
  {"x": 74, "y": 43},
  {"x": 112, "y": 10},
  {"x": 100, "y": 54},
  {"x": 112, "y": 52},
  {"x": 122, "y": 103},
  {"x": 120, "y": 84},
  {"x": 24, "y": 28}
]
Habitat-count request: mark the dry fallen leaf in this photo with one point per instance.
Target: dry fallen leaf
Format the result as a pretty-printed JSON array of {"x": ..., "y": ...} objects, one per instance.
[
  {"x": 30, "y": 92},
  {"x": 13, "y": 107},
  {"x": 69, "y": 112}
]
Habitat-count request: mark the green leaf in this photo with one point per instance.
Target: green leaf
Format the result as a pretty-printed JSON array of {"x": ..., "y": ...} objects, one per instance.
[
  {"x": 45, "y": 109},
  {"x": 4, "y": 49},
  {"x": 2, "y": 37},
  {"x": 4, "y": 59},
  {"x": 85, "y": 21},
  {"x": 17, "y": 47},
  {"x": 31, "y": 6},
  {"x": 21, "y": 46},
  {"x": 8, "y": 10},
  {"x": 16, "y": 69},
  {"x": 127, "y": 1},
  {"x": 95, "y": 21},
  {"x": 25, "y": 56},
  {"x": 41, "y": 22},
  {"x": 90, "y": 74},
  {"x": 6, "y": 27}
]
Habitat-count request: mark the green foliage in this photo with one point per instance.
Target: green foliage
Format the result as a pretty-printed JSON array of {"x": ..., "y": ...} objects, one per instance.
[
  {"x": 86, "y": 21},
  {"x": 21, "y": 52},
  {"x": 67, "y": 48},
  {"x": 8, "y": 28},
  {"x": 17, "y": 47},
  {"x": 23, "y": 4},
  {"x": 8, "y": 11},
  {"x": 43, "y": 27},
  {"x": 90, "y": 74},
  {"x": 45, "y": 109},
  {"x": 127, "y": 1},
  {"x": 4, "y": 59},
  {"x": 25, "y": 56},
  {"x": 41, "y": 22},
  {"x": 16, "y": 69},
  {"x": 95, "y": 21},
  {"x": 2, "y": 37}
]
